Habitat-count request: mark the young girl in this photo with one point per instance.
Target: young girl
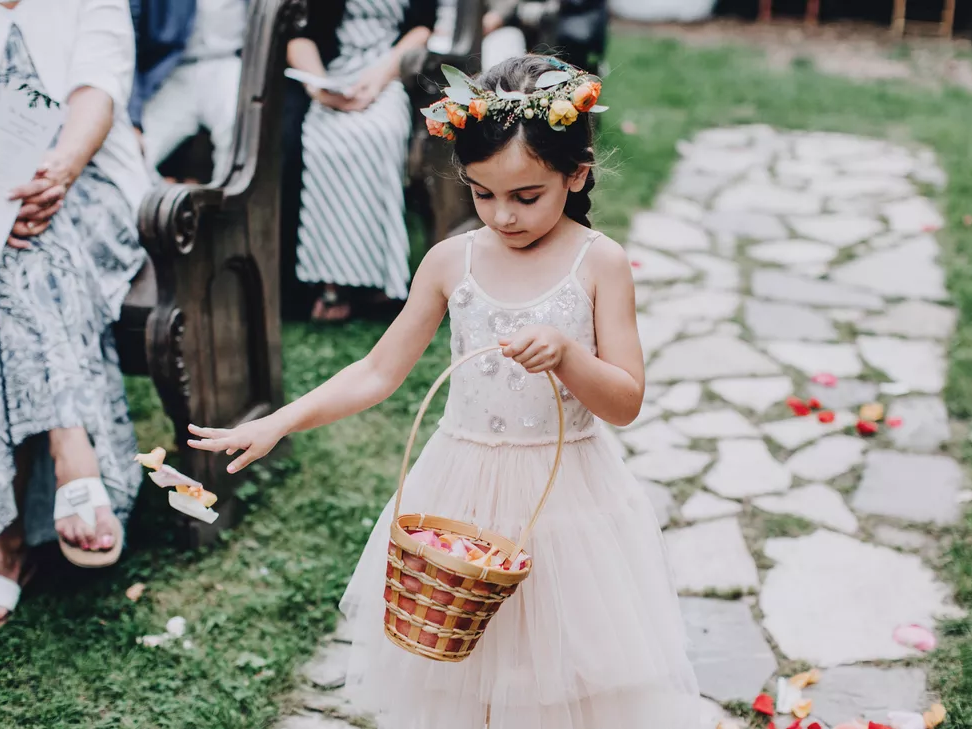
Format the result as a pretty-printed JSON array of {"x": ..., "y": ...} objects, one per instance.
[{"x": 593, "y": 638}]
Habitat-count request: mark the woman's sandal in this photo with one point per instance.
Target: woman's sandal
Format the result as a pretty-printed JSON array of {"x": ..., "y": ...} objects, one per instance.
[
  {"x": 327, "y": 304},
  {"x": 10, "y": 590},
  {"x": 81, "y": 497}
]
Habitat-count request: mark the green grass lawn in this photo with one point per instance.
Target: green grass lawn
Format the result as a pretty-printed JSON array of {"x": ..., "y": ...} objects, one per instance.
[{"x": 257, "y": 602}]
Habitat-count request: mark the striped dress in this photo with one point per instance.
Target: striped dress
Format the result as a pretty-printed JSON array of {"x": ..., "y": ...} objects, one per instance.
[{"x": 352, "y": 225}]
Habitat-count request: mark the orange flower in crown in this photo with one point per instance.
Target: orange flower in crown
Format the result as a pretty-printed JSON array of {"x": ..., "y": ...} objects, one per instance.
[
  {"x": 478, "y": 108},
  {"x": 440, "y": 129},
  {"x": 586, "y": 95},
  {"x": 457, "y": 116}
]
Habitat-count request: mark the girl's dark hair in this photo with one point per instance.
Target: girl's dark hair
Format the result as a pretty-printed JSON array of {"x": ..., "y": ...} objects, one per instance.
[{"x": 563, "y": 151}]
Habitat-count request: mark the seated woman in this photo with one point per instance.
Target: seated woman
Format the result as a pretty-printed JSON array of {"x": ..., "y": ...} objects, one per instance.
[
  {"x": 64, "y": 273},
  {"x": 352, "y": 233}
]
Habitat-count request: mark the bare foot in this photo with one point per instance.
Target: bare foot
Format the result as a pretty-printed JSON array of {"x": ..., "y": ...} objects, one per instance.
[
  {"x": 12, "y": 553},
  {"x": 76, "y": 531},
  {"x": 74, "y": 458}
]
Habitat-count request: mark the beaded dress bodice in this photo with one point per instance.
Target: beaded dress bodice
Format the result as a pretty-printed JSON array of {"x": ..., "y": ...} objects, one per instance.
[{"x": 492, "y": 399}]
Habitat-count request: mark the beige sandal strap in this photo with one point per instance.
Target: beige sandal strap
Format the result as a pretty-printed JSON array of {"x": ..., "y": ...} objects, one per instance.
[{"x": 81, "y": 496}]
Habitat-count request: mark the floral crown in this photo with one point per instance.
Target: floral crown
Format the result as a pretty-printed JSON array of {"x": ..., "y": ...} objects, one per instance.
[{"x": 560, "y": 96}]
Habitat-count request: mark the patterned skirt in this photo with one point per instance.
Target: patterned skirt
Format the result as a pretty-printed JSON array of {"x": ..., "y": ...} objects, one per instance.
[
  {"x": 352, "y": 218},
  {"x": 58, "y": 363}
]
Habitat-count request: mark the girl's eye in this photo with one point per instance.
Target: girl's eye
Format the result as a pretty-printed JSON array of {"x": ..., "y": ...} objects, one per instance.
[
  {"x": 527, "y": 200},
  {"x": 483, "y": 195}
]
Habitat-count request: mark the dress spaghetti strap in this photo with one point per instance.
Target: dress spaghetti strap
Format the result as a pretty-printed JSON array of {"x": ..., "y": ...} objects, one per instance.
[
  {"x": 591, "y": 237},
  {"x": 470, "y": 237}
]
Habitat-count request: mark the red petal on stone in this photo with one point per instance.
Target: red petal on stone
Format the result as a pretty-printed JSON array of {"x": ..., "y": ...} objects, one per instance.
[
  {"x": 764, "y": 705},
  {"x": 636, "y": 264},
  {"x": 798, "y": 407},
  {"x": 894, "y": 422},
  {"x": 866, "y": 427},
  {"x": 826, "y": 416},
  {"x": 814, "y": 403},
  {"x": 815, "y": 725},
  {"x": 875, "y": 725},
  {"x": 930, "y": 228},
  {"x": 825, "y": 378},
  {"x": 796, "y": 725}
]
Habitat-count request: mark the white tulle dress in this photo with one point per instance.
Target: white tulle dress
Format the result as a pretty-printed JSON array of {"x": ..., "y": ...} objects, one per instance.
[{"x": 593, "y": 639}]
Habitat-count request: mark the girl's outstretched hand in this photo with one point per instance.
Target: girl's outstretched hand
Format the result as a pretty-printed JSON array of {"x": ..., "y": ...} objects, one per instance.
[
  {"x": 255, "y": 439},
  {"x": 537, "y": 348}
]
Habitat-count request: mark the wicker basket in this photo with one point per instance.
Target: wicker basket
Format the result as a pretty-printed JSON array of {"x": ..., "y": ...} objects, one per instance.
[{"x": 436, "y": 605}]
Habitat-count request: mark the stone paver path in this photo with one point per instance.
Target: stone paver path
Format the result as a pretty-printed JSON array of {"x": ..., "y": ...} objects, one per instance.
[{"x": 769, "y": 258}]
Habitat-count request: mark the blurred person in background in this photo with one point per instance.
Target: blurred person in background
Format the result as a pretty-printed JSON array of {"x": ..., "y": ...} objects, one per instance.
[
  {"x": 188, "y": 74},
  {"x": 352, "y": 244}
]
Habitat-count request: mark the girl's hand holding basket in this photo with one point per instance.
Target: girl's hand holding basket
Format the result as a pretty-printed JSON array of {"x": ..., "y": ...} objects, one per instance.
[{"x": 538, "y": 348}]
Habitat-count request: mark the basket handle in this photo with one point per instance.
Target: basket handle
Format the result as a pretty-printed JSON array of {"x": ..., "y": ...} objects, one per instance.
[{"x": 418, "y": 422}]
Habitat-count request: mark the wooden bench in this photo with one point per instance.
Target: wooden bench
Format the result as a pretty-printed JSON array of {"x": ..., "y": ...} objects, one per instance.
[
  {"x": 898, "y": 21},
  {"x": 202, "y": 318}
]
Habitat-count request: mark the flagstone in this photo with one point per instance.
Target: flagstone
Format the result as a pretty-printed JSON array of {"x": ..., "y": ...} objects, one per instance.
[
  {"x": 781, "y": 286},
  {"x": 731, "y": 658},
  {"x": 792, "y": 251},
  {"x": 911, "y": 487},
  {"x": 920, "y": 365},
  {"x": 706, "y": 358},
  {"x": 852, "y": 596},
  {"x": 745, "y": 467},
  {"x": 905, "y": 271},
  {"x": 667, "y": 233},
  {"x": 913, "y": 319},
  {"x": 827, "y": 458},
  {"x": 812, "y": 357},
  {"x": 651, "y": 267},
  {"x": 711, "y": 556},
  {"x": 702, "y": 506},
  {"x": 753, "y": 393},
  {"x": 669, "y": 464},
  {"x": 837, "y": 230},
  {"x": 779, "y": 320},
  {"x": 816, "y": 502}
]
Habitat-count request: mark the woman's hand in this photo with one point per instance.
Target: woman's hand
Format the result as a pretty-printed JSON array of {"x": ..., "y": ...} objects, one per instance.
[
  {"x": 255, "y": 439},
  {"x": 328, "y": 99},
  {"x": 537, "y": 348},
  {"x": 372, "y": 82},
  {"x": 492, "y": 21},
  {"x": 41, "y": 198}
]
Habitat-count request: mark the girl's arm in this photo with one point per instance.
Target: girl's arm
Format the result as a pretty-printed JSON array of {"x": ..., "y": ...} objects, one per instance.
[
  {"x": 611, "y": 384},
  {"x": 357, "y": 387}
]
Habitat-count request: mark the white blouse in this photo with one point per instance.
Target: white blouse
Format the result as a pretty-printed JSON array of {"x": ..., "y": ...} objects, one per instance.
[{"x": 76, "y": 43}]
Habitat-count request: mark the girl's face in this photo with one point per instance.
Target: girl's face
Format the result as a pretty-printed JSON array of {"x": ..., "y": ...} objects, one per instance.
[{"x": 519, "y": 197}]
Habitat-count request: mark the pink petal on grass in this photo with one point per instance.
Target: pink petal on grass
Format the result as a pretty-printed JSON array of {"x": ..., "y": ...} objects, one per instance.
[{"x": 915, "y": 636}]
